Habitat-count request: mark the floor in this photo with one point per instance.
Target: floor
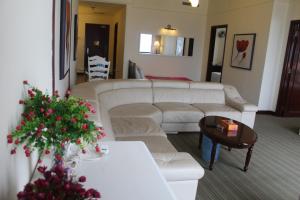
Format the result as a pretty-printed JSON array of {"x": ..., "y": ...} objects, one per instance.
[{"x": 274, "y": 170}]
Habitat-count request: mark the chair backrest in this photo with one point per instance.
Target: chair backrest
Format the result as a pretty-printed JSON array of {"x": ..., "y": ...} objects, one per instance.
[{"x": 98, "y": 68}]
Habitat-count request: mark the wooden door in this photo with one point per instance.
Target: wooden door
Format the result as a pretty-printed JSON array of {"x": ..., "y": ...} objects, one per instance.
[
  {"x": 289, "y": 95},
  {"x": 96, "y": 41}
]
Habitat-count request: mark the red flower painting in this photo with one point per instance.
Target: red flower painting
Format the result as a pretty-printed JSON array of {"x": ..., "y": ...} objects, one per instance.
[{"x": 243, "y": 50}]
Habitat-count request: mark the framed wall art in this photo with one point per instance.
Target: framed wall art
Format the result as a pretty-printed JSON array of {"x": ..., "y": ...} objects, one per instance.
[
  {"x": 65, "y": 37},
  {"x": 243, "y": 50}
]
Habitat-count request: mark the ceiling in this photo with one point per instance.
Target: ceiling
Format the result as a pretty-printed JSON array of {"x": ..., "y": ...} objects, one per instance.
[{"x": 86, "y": 7}]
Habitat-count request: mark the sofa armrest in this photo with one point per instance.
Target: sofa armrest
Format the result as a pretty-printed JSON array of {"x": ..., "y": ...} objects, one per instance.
[
  {"x": 178, "y": 166},
  {"x": 234, "y": 100}
]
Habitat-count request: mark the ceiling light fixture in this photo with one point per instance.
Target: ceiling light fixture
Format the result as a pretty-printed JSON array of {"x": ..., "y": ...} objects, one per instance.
[
  {"x": 194, "y": 3},
  {"x": 169, "y": 27}
]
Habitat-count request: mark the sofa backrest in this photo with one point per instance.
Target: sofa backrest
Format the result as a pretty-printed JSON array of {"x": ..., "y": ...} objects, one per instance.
[
  {"x": 206, "y": 93},
  {"x": 118, "y": 97},
  {"x": 170, "y": 91}
]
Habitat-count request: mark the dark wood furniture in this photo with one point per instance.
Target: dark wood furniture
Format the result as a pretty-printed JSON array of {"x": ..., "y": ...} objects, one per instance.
[{"x": 245, "y": 137}]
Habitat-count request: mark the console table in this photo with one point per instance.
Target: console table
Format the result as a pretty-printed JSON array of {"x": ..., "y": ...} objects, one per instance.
[{"x": 128, "y": 171}]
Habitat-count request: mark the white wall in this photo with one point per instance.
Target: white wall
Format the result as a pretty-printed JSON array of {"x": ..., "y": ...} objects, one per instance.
[
  {"x": 151, "y": 17},
  {"x": 25, "y": 54},
  {"x": 242, "y": 17},
  {"x": 273, "y": 65},
  {"x": 283, "y": 12}
]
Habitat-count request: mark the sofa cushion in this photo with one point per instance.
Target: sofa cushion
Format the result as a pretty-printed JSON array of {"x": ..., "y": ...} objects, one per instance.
[
  {"x": 222, "y": 110},
  {"x": 179, "y": 112},
  {"x": 125, "y": 127},
  {"x": 178, "y": 166},
  {"x": 155, "y": 144},
  {"x": 137, "y": 110}
]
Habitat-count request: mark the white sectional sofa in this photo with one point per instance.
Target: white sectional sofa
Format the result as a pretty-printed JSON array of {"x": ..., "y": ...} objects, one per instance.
[{"x": 143, "y": 110}]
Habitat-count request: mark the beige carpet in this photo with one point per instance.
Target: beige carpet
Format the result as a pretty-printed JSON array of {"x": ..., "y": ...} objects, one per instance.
[{"x": 274, "y": 170}]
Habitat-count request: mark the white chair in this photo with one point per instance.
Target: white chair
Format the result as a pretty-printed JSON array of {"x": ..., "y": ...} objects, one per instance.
[{"x": 98, "y": 68}]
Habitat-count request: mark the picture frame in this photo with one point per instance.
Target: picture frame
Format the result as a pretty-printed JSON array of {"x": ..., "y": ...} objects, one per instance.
[
  {"x": 243, "y": 50},
  {"x": 65, "y": 37},
  {"x": 75, "y": 36}
]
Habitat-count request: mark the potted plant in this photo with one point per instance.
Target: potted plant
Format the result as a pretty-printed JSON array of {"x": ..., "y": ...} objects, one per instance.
[{"x": 50, "y": 123}]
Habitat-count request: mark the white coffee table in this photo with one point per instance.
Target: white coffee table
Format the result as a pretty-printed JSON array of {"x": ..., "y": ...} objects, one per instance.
[{"x": 128, "y": 172}]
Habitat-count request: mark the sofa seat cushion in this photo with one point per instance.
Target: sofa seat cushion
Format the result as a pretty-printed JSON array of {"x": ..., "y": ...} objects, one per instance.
[
  {"x": 136, "y": 110},
  {"x": 124, "y": 127},
  {"x": 212, "y": 109},
  {"x": 179, "y": 112},
  {"x": 178, "y": 166},
  {"x": 155, "y": 144}
]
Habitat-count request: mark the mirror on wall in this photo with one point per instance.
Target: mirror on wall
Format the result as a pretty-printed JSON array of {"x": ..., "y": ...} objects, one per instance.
[
  {"x": 165, "y": 45},
  {"x": 216, "y": 53}
]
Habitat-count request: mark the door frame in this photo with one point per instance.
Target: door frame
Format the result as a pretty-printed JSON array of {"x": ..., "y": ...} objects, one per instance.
[
  {"x": 285, "y": 77},
  {"x": 211, "y": 49}
]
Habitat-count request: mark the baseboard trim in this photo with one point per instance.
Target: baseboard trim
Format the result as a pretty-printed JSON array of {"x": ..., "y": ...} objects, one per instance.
[{"x": 266, "y": 112}]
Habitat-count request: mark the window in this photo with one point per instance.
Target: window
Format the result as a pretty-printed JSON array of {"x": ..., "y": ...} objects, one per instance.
[{"x": 145, "y": 43}]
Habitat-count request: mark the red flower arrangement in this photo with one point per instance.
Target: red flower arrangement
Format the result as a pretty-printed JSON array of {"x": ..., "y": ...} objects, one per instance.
[
  {"x": 49, "y": 122},
  {"x": 56, "y": 184}
]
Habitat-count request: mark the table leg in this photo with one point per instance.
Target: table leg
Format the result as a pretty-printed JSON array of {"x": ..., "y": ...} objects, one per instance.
[
  {"x": 200, "y": 140},
  {"x": 249, "y": 153},
  {"x": 213, "y": 154}
]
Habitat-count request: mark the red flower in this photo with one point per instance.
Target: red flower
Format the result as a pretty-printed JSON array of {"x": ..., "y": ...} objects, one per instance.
[
  {"x": 21, "y": 102},
  {"x": 47, "y": 151},
  {"x": 73, "y": 120},
  {"x": 58, "y": 118},
  {"x": 97, "y": 148},
  {"x": 93, "y": 111},
  {"x": 78, "y": 141},
  {"x": 82, "y": 179},
  {"x": 17, "y": 141},
  {"x": 18, "y": 127},
  {"x": 58, "y": 157},
  {"x": 13, "y": 151},
  {"x": 50, "y": 111},
  {"x": 25, "y": 82},
  {"x": 23, "y": 122},
  {"x": 40, "y": 161},
  {"x": 9, "y": 139},
  {"x": 42, "y": 110},
  {"x": 42, "y": 126},
  {"x": 84, "y": 126},
  {"x": 86, "y": 116},
  {"x": 27, "y": 152},
  {"x": 83, "y": 151},
  {"x": 242, "y": 45},
  {"x": 42, "y": 169}
]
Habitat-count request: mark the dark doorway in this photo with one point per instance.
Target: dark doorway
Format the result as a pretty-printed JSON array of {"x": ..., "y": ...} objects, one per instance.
[
  {"x": 96, "y": 41},
  {"x": 114, "y": 71},
  {"x": 216, "y": 53},
  {"x": 289, "y": 94}
]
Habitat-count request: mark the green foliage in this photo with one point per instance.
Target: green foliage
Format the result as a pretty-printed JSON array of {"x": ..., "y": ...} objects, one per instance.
[{"x": 51, "y": 121}]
